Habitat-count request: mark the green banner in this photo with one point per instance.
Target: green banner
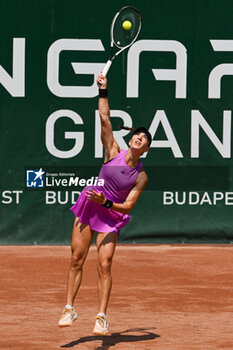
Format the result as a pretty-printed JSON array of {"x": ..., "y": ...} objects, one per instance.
[{"x": 176, "y": 80}]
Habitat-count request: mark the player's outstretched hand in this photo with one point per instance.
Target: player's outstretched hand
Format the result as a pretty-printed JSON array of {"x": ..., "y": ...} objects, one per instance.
[{"x": 102, "y": 82}]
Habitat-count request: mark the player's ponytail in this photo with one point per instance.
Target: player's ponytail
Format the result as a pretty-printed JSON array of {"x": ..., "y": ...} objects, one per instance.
[{"x": 127, "y": 128}]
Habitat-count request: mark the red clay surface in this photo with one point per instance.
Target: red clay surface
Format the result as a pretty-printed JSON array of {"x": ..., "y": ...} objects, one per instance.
[{"x": 164, "y": 297}]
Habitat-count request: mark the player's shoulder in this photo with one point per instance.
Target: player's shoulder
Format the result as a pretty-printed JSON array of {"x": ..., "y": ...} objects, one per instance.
[{"x": 142, "y": 176}]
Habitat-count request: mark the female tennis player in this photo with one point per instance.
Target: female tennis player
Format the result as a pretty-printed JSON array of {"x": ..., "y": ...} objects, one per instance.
[{"x": 105, "y": 209}]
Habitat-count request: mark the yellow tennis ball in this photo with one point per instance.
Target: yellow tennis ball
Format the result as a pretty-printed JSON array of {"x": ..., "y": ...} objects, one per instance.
[{"x": 127, "y": 25}]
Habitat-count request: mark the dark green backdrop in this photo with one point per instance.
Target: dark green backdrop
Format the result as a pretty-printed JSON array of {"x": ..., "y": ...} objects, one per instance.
[{"x": 201, "y": 170}]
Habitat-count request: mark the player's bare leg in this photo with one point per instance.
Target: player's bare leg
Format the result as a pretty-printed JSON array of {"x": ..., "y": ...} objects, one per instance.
[
  {"x": 81, "y": 240},
  {"x": 106, "y": 244}
]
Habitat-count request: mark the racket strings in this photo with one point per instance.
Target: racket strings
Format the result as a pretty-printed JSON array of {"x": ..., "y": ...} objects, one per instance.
[{"x": 122, "y": 37}]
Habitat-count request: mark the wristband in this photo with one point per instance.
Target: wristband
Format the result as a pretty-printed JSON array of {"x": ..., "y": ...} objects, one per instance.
[
  {"x": 103, "y": 92},
  {"x": 107, "y": 204}
]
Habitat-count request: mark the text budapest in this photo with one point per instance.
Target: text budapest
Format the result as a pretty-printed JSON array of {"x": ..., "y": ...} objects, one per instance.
[{"x": 197, "y": 198}]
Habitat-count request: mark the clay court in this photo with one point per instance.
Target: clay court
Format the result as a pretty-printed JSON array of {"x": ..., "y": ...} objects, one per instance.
[{"x": 169, "y": 297}]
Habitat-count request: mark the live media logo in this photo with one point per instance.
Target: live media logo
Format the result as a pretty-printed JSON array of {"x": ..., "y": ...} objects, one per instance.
[
  {"x": 53, "y": 178},
  {"x": 35, "y": 178}
]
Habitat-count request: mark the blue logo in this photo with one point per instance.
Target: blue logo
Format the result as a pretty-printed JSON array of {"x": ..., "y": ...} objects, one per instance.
[{"x": 35, "y": 178}]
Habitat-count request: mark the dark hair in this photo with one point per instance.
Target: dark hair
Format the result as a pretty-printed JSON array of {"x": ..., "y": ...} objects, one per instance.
[{"x": 138, "y": 131}]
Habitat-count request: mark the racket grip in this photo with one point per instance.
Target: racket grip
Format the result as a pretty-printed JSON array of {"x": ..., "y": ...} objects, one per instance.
[{"x": 106, "y": 68}]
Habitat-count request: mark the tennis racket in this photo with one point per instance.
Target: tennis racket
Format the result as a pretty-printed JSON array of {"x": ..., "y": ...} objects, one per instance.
[{"x": 122, "y": 38}]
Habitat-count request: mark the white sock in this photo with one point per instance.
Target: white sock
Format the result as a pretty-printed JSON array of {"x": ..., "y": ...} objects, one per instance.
[
  {"x": 101, "y": 314},
  {"x": 69, "y": 306}
]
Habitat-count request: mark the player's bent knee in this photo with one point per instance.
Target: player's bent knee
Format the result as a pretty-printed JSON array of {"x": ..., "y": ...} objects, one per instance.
[
  {"x": 76, "y": 263},
  {"x": 105, "y": 267}
]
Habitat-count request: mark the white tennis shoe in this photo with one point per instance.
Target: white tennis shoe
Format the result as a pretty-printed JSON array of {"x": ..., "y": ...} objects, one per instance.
[
  {"x": 101, "y": 326},
  {"x": 68, "y": 317}
]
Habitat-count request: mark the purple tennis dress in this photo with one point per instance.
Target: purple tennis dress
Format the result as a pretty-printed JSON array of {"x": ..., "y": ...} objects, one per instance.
[{"x": 119, "y": 179}]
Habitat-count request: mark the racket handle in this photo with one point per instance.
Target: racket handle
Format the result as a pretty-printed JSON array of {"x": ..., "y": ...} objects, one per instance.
[{"x": 106, "y": 68}]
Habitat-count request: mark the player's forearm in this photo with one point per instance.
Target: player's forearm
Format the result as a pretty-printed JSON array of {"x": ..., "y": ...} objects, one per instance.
[
  {"x": 124, "y": 208},
  {"x": 104, "y": 109},
  {"x": 100, "y": 198}
]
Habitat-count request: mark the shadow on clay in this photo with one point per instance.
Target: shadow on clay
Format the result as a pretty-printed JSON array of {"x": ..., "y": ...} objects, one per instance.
[{"x": 111, "y": 340}]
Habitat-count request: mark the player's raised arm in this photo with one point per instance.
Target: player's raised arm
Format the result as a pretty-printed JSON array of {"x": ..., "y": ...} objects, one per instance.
[{"x": 109, "y": 143}]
